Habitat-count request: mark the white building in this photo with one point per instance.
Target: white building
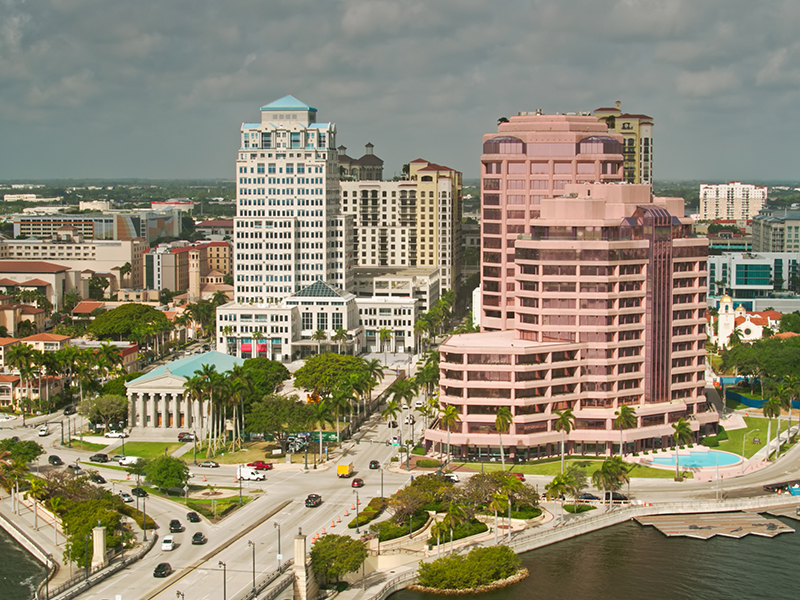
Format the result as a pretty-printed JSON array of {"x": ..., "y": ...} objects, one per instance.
[
  {"x": 746, "y": 276},
  {"x": 288, "y": 231},
  {"x": 751, "y": 326},
  {"x": 734, "y": 200}
]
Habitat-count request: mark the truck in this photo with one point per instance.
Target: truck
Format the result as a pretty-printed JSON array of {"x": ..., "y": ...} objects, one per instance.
[
  {"x": 250, "y": 474},
  {"x": 344, "y": 470}
]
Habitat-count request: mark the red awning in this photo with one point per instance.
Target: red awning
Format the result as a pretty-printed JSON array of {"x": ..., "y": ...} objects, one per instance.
[
  {"x": 262, "y": 347},
  {"x": 246, "y": 347}
]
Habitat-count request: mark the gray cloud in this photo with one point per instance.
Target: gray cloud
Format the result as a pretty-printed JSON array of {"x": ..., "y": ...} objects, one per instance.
[{"x": 106, "y": 88}]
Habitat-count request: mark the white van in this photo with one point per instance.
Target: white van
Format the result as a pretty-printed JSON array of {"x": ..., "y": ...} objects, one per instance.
[
  {"x": 250, "y": 474},
  {"x": 127, "y": 461}
]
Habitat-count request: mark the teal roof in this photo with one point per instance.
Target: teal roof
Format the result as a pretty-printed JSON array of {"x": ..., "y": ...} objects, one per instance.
[
  {"x": 288, "y": 103},
  {"x": 251, "y": 125},
  {"x": 318, "y": 289},
  {"x": 186, "y": 367}
]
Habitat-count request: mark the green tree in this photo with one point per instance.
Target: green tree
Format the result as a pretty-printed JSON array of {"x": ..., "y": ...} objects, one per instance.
[
  {"x": 499, "y": 503},
  {"x": 166, "y": 472},
  {"x": 319, "y": 336},
  {"x": 265, "y": 375},
  {"x": 78, "y": 522},
  {"x": 449, "y": 418},
  {"x": 610, "y": 476},
  {"x": 339, "y": 336},
  {"x": 24, "y": 451},
  {"x": 322, "y": 373},
  {"x": 624, "y": 418},
  {"x": 682, "y": 434},
  {"x": 384, "y": 337},
  {"x": 105, "y": 409},
  {"x": 333, "y": 556},
  {"x": 320, "y": 416},
  {"x": 502, "y": 423},
  {"x": 771, "y": 409},
  {"x": 564, "y": 423},
  {"x": 120, "y": 323},
  {"x": 97, "y": 287},
  {"x": 391, "y": 411},
  {"x": 278, "y": 415},
  {"x": 454, "y": 516}
]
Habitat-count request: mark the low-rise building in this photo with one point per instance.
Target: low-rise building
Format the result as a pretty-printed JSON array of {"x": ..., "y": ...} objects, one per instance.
[
  {"x": 749, "y": 325},
  {"x": 52, "y": 280},
  {"x": 128, "y": 351},
  {"x": 47, "y": 342}
]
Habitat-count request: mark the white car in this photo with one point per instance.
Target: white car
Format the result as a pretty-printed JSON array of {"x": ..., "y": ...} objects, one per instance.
[
  {"x": 43, "y": 431},
  {"x": 115, "y": 434},
  {"x": 168, "y": 544},
  {"x": 404, "y": 406},
  {"x": 419, "y": 404}
]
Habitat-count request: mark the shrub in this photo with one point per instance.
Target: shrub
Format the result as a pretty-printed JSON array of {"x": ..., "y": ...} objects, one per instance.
[
  {"x": 571, "y": 508},
  {"x": 722, "y": 435},
  {"x": 389, "y": 530},
  {"x": 636, "y": 454},
  {"x": 369, "y": 513},
  {"x": 473, "y": 527},
  {"x": 481, "y": 566},
  {"x": 526, "y": 512},
  {"x": 394, "y": 459},
  {"x": 710, "y": 441},
  {"x": 427, "y": 463}
]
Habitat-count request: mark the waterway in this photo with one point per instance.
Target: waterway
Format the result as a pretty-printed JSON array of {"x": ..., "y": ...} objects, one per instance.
[
  {"x": 20, "y": 573},
  {"x": 631, "y": 562}
]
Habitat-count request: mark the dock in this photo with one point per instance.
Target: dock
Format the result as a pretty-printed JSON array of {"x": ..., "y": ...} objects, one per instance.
[{"x": 705, "y": 526}]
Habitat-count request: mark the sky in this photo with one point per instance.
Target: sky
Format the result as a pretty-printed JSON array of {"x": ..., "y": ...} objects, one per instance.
[{"x": 159, "y": 89}]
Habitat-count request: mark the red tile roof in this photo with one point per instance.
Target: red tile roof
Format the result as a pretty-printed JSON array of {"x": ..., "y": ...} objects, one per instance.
[
  {"x": 786, "y": 335},
  {"x": 9, "y": 378},
  {"x": 85, "y": 307},
  {"x": 770, "y": 314},
  {"x": 8, "y": 341},
  {"x": 46, "y": 337},
  {"x": 30, "y": 266},
  {"x": 35, "y": 282}
]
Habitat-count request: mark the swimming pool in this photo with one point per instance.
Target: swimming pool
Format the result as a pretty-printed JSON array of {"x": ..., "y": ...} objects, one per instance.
[{"x": 699, "y": 459}]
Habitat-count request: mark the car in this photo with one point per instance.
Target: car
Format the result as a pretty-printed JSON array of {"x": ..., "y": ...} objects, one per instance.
[
  {"x": 175, "y": 526},
  {"x": 162, "y": 570},
  {"x": 126, "y": 497},
  {"x": 519, "y": 476},
  {"x": 70, "y": 410},
  {"x": 209, "y": 464},
  {"x": 452, "y": 477},
  {"x": 127, "y": 461},
  {"x": 43, "y": 431},
  {"x": 404, "y": 406},
  {"x": 185, "y": 436},
  {"x": 75, "y": 468},
  {"x": 97, "y": 478},
  {"x": 313, "y": 500},
  {"x": 409, "y": 420},
  {"x": 99, "y": 458},
  {"x": 260, "y": 465},
  {"x": 616, "y": 497},
  {"x": 192, "y": 517},
  {"x": 392, "y": 424},
  {"x": 168, "y": 544},
  {"x": 397, "y": 439},
  {"x": 139, "y": 492},
  {"x": 55, "y": 460},
  {"x": 374, "y": 464},
  {"x": 588, "y": 497},
  {"x": 419, "y": 404},
  {"x": 357, "y": 482},
  {"x": 198, "y": 538},
  {"x": 115, "y": 434}
]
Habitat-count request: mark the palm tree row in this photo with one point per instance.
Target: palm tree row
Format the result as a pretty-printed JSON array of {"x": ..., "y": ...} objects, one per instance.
[{"x": 434, "y": 321}]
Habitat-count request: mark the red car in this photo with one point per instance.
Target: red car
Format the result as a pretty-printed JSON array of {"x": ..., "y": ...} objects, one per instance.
[
  {"x": 260, "y": 465},
  {"x": 357, "y": 482}
]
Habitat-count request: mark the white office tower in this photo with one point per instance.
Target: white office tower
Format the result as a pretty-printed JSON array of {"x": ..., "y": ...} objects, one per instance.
[{"x": 288, "y": 231}]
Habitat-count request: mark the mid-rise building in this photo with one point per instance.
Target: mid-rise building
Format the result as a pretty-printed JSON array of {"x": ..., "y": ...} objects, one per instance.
[
  {"x": 408, "y": 223},
  {"x": 637, "y": 133},
  {"x": 776, "y": 230},
  {"x": 734, "y": 200},
  {"x": 748, "y": 275},
  {"x": 368, "y": 167},
  {"x": 611, "y": 291},
  {"x": 532, "y": 157},
  {"x": 167, "y": 268}
]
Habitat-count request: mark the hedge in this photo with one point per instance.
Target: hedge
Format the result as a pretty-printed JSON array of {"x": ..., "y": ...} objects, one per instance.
[
  {"x": 389, "y": 530},
  {"x": 427, "y": 463},
  {"x": 526, "y": 512},
  {"x": 481, "y": 566},
  {"x": 572, "y": 508},
  {"x": 369, "y": 513},
  {"x": 473, "y": 527}
]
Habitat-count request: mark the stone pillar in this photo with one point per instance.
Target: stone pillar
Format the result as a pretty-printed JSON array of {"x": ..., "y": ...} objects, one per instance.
[
  {"x": 99, "y": 547},
  {"x": 176, "y": 412},
  {"x": 143, "y": 409},
  {"x": 305, "y": 583}
]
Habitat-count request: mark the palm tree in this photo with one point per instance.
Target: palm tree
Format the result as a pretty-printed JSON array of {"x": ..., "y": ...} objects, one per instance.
[
  {"x": 403, "y": 391},
  {"x": 211, "y": 380},
  {"x": 391, "y": 411},
  {"x": 342, "y": 397},
  {"x": 319, "y": 417},
  {"x": 610, "y": 476},
  {"x": 19, "y": 357},
  {"x": 556, "y": 489},
  {"x": 625, "y": 418},
  {"x": 257, "y": 337},
  {"x": 502, "y": 423},
  {"x": 454, "y": 516},
  {"x": 384, "y": 337},
  {"x": 794, "y": 391},
  {"x": 499, "y": 503},
  {"x": 193, "y": 389},
  {"x": 564, "y": 423},
  {"x": 123, "y": 271},
  {"x": 735, "y": 338},
  {"x": 108, "y": 358},
  {"x": 319, "y": 336},
  {"x": 449, "y": 418},
  {"x": 36, "y": 492},
  {"x": 682, "y": 434},
  {"x": 771, "y": 409},
  {"x": 421, "y": 327},
  {"x": 374, "y": 371},
  {"x": 238, "y": 385},
  {"x": 339, "y": 336}
]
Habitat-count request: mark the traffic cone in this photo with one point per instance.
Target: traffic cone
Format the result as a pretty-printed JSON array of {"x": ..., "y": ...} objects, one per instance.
[
  {"x": 127, "y": 476},
  {"x": 235, "y": 479},
  {"x": 353, "y": 506},
  {"x": 204, "y": 478},
  {"x": 338, "y": 519},
  {"x": 323, "y": 531},
  {"x": 358, "y": 501},
  {"x": 333, "y": 523},
  {"x": 346, "y": 513}
]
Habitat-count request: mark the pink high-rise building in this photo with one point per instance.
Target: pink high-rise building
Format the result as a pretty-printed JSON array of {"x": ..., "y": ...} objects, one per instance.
[
  {"x": 610, "y": 292},
  {"x": 532, "y": 157}
]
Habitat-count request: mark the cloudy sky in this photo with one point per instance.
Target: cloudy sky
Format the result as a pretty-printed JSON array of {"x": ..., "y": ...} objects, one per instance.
[{"x": 159, "y": 89}]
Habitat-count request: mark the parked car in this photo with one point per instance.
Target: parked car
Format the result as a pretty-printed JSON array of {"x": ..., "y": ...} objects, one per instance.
[
  {"x": 168, "y": 544},
  {"x": 260, "y": 465},
  {"x": 313, "y": 500},
  {"x": 126, "y": 497},
  {"x": 409, "y": 420},
  {"x": 115, "y": 434},
  {"x": 588, "y": 497},
  {"x": 185, "y": 436},
  {"x": 43, "y": 431},
  {"x": 99, "y": 458},
  {"x": 70, "y": 410},
  {"x": 419, "y": 404},
  {"x": 192, "y": 517},
  {"x": 451, "y": 477},
  {"x": 357, "y": 483},
  {"x": 97, "y": 478},
  {"x": 139, "y": 492},
  {"x": 519, "y": 476},
  {"x": 209, "y": 464},
  {"x": 127, "y": 461},
  {"x": 616, "y": 497},
  {"x": 75, "y": 468},
  {"x": 392, "y": 424},
  {"x": 374, "y": 464},
  {"x": 55, "y": 460},
  {"x": 198, "y": 538},
  {"x": 175, "y": 526},
  {"x": 162, "y": 570}
]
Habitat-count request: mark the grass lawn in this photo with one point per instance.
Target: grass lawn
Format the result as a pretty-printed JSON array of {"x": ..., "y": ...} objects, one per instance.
[
  {"x": 147, "y": 449},
  {"x": 578, "y": 508},
  {"x": 85, "y": 446},
  {"x": 590, "y": 465},
  {"x": 255, "y": 451},
  {"x": 756, "y": 428},
  {"x": 734, "y": 405}
]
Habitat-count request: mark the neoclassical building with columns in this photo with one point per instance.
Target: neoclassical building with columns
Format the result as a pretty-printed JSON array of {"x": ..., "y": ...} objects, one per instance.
[{"x": 157, "y": 400}]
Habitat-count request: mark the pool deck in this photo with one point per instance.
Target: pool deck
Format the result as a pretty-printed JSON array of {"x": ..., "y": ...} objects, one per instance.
[
  {"x": 709, "y": 473},
  {"x": 705, "y": 526}
]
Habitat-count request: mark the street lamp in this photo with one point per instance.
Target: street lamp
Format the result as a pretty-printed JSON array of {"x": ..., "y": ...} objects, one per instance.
[
  {"x": 356, "y": 493},
  {"x": 381, "y": 482},
  {"x": 280, "y": 557},
  {"x": 253, "y": 546},
  {"x": 144, "y": 521},
  {"x": 743, "y": 440},
  {"x": 224, "y": 580},
  {"x": 123, "y": 444},
  {"x": 194, "y": 439}
]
